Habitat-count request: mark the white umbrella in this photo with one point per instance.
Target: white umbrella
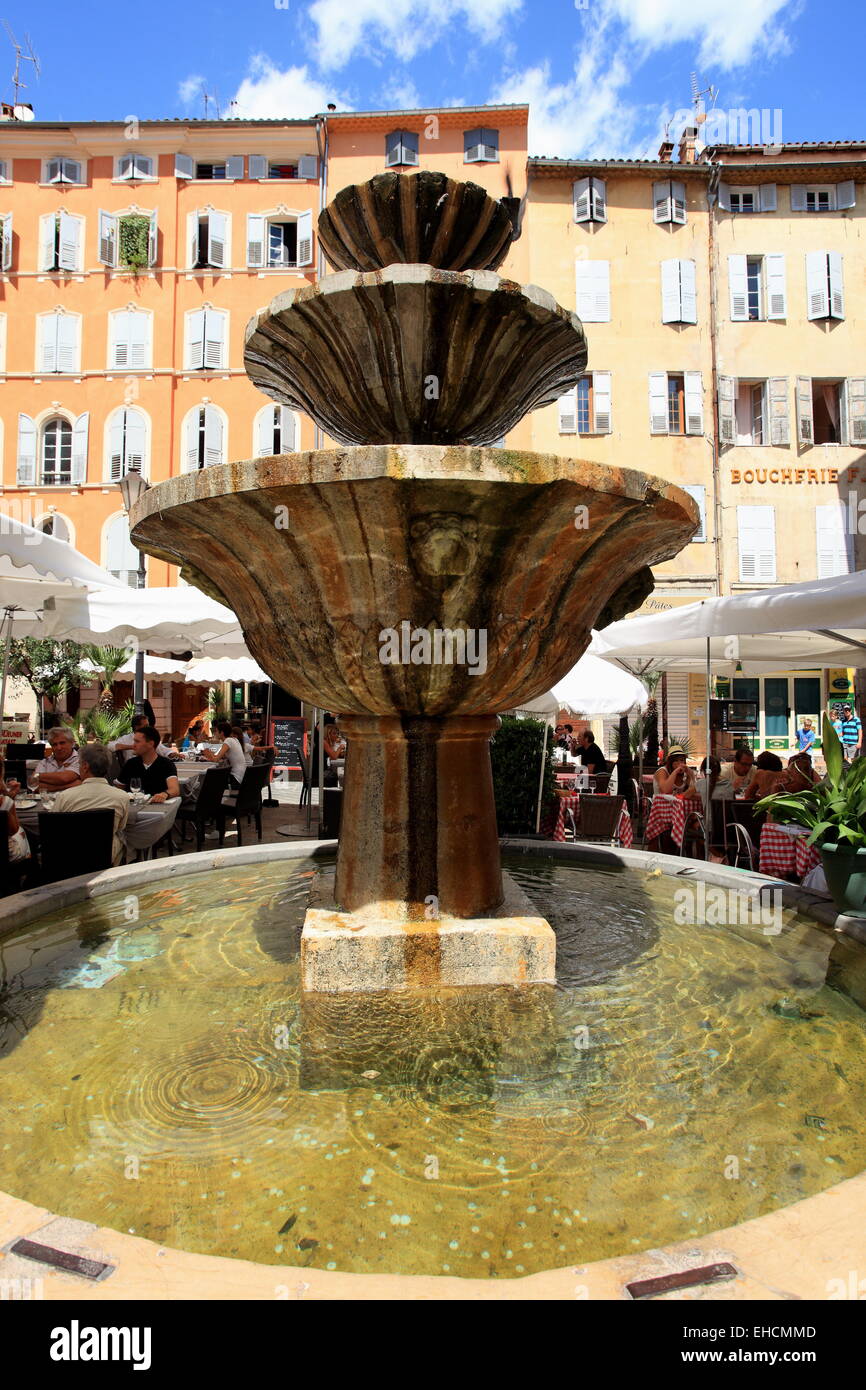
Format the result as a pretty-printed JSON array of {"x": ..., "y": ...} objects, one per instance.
[
  {"x": 157, "y": 668},
  {"x": 210, "y": 670},
  {"x": 165, "y": 620}
]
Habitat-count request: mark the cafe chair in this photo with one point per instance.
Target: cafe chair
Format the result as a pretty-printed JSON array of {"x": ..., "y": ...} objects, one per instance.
[
  {"x": 12, "y": 873},
  {"x": 75, "y": 842},
  {"x": 207, "y": 804},
  {"x": 248, "y": 802},
  {"x": 599, "y": 817}
]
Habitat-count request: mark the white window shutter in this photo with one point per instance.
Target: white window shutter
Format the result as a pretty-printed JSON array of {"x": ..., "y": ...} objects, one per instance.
[
  {"x": 834, "y": 549},
  {"x": 136, "y": 440},
  {"x": 671, "y": 291},
  {"x": 767, "y": 192},
  {"x": 265, "y": 432},
  {"x": 738, "y": 287},
  {"x": 678, "y": 201},
  {"x": 118, "y": 328},
  {"x": 662, "y": 201},
  {"x": 601, "y": 402},
  {"x": 593, "y": 291},
  {"x": 308, "y": 167},
  {"x": 817, "y": 294},
  {"x": 694, "y": 399},
  {"x": 70, "y": 232},
  {"x": 216, "y": 239},
  {"x": 192, "y": 237},
  {"x": 728, "y": 409},
  {"x": 115, "y": 445},
  {"x": 777, "y": 298},
  {"x": 837, "y": 291},
  {"x": 139, "y": 339},
  {"x": 780, "y": 424},
  {"x": 805, "y": 425},
  {"x": 54, "y": 171},
  {"x": 844, "y": 435},
  {"x": 79, "y": 449},
  {"x": 7, "y": 240},
  {"x": 658, "y": 402},
  {"x": 698, "y": 492},
  {"x": 584, "y": 282},
  {"x": 125, "y": 166},
  {"x": 857, "y": 410},
  {"x": 195, "y": 340},
  {"x": 215, "y": 324},
  {"x": 258, "y": 166},
  {"x": 107, "y": 238},
  {"x": 756, "y": 536},
  {"x": 152, "y": 239},
  {"x": 567, "y": 407},
  {"x": 47, "y": 239},
  {"x": 582, "y": 210},
  {"x": 599, "y": 200},
  {"x": 26, "y": 472},
  {"x": 235, "y": 166},
  {"x": 798, "y": 197},
  {"x": 184, "y": 167},
  {"x": 213, "y": 437},
  {"x": 688, "y": 292},
  {"x": 305, "y": 239},
  {"x": 68, "y": 342},
  {"x": 46, "y": 343},
  {"x": 724, "y": 197},
  {"x": 288, "y": 430},
  {"x": 191, "y": 430},
  {"x": 846, "y": 196},
  {"x": 255, "y": 239},
  {"x": 602, "y": 291}
]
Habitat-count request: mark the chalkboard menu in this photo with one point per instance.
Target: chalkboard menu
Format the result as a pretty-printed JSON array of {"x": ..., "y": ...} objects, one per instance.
[{"x": 287, "y": 737}]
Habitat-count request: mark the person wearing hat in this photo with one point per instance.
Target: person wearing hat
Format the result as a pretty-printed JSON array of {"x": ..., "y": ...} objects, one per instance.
[{"x": 674, "y": 777}]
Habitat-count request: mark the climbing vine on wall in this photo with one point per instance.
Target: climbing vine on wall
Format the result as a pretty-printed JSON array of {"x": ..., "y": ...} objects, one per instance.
[{"x": 134, "y": 234}]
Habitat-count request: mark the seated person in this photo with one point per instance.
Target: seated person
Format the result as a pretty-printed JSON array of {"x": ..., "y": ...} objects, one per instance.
[
  {"x": 154, "y": 771},
  {"x": 60, "y": 769},
  {"x": 192, "y": 736},
  {"x": 800, "y": 774},
  {"x": 95, "y": 793},
  {"x": 738, "y": 774},
  {"x": 230, "y": 751},
  {"x": 125, "y": 745},
  {"x": 712, "y": 789},
  {"x": 335, "y": 744},
  {"x": 769, "y": 777},
  {"x": 590, "y": 754},
  {"x": 674, "y": 777},
  {"x": 19, "y": 846}
]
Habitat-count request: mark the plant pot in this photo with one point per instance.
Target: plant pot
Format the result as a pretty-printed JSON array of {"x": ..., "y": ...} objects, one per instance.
[{"x": 845, "y": 869}]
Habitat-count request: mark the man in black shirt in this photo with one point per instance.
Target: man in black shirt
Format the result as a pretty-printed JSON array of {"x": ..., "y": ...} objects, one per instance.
[
  {"x": 157, "y": 775},
  {"x": 591, "y": 755}
]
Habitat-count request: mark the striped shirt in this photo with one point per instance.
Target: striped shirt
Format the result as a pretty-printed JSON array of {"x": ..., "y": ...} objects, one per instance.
[{"x": 849, "y": 731}]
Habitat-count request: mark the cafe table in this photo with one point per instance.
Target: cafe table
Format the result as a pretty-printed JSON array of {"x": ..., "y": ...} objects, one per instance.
[
  {"x": 670, "y": 813},
  {"x": 783, "y": 851}
]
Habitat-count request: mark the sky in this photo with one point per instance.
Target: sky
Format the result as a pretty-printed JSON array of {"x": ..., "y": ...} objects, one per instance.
[{"x": 603, "y": 77}]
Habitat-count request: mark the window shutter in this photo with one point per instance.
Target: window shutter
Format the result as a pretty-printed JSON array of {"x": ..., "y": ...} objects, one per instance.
[
  {"x": 688, "y": 292},
  {"x": 593, "y": 291},
  {"x": 567, "y": 406},
  {"x": 79, "y": 448},
  {"x": 833, "y": 541},
  {"x": 599, "y": 200},
  {"x": 192, "y": 234},
  {"x": 728, "y": 409},
  {"x": 258, "y": 166},
  {"x": 107, "y": 238},
  {"x": 54, "y": 171},
  {"x": 699, "y": 493},
  {"x": 136, "y": 440},
  {"x": 738, "y": 285},
  {"x": 214, "y": 338},
  {"x": 265, "y": 432},
  {"x": 152, "y": 239},
  {"x": 70, "y": 230},
  {"x": 489, "y": 143},
  {"x": 235, "y": 167},
  {"x": 68, "y": 342},
  {"x": 7, "y": 240},
  {"x": 662, "y": 201},
  {"x": 584, "y": 283},
  {"x": 857, "y": 410},
  {"x": 305, "y": 239},
  {"x": 780, "y": 425},
  {"x": 844, "y": 433},
  {"x": 837, "y": 292},
  {"x": 213, "y": 437},
  {"x": 47, "y": 240},
  {"x": 471, "y": 146},
  {"x": 255, "y": 239},
  {"x": 767, "y": 192},
  {"x": 308, "y": 167},
  {"x": 725, "y": 197},
  {"x": 115, "y": 446},
  {"x": 195, "y": 329},
  {"x": 26, "y": 474},
  {"x": 288, "y": 441},
  {"x": 678, "y": 201},
  {"x": 816, "y": 285},
  {"x": 756, "y": 538},
  {"x": 410, "y": 147},
  {"x": 694, "y": 394},
  {"x": 125, "y": 166},
  {"x": 216, "y": 239},
  {"x": 777, "y": 301},
  {"x": 658, "y": 402},
  {"x": 72, "y": 171},
  {"x": 671, "y": 304},
  {"x": 601, "y": 402},
  {"x": 139, "y": 339},
  {"x": 798, "y": 197},
  {"x": 392, "y": 148},
  {"x": 582, "y": 211},
  {"x": 184, "y": 168},
  {"x": 191, "y": 430},
  {"x": 846, "y": 196},
  {"x": 5, "y": 170},
  {"x": 805, "y": 428},
  {"x": 119, "y": 339},
  {"x": 46, "y": 340}
]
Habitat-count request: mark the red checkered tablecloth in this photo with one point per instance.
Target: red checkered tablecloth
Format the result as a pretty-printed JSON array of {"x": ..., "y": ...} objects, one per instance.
[
  {"x": 669, "y": 813},
  {"x": 782, "y": 852},
  {"x": 624, "y": 831}
]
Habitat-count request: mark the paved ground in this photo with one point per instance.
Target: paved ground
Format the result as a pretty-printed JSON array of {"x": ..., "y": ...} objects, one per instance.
[{"x": 287, "y": 814}]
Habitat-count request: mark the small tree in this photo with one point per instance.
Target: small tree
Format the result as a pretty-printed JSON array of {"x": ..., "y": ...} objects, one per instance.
[
  {"x": 109, "y": 660},
  {"x": 515, "y": 754},
  {"x": 48, "y": 667}
]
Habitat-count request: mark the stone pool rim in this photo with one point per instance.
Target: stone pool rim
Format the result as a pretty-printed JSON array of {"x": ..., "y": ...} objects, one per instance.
[{"x": 791, "y": 1252}]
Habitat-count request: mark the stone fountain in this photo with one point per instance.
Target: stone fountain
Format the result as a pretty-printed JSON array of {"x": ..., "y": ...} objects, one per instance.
[{"x": 415, "y": 580}]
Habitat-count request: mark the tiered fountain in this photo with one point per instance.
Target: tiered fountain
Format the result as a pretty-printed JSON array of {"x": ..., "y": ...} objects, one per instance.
[{"x": 360, "y": 572}]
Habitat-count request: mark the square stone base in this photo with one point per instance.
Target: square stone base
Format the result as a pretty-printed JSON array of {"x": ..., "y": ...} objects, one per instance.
[{"x": 359, "y": 951}]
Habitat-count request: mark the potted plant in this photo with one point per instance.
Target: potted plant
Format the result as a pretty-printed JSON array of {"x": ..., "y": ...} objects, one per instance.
[{"x": 835, "y": 813}]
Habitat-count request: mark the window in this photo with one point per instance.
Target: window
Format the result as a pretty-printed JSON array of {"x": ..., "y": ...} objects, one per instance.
[
  {"x": 58, "y": 342},
  {"x": 6, "y": 234},
  {"x": 698, "y": 492},
  {"x": 5, "y": 170},
  {"x": 754, "y": 412},
  {"x": 831, "y": 412},
  {"x": 131, "y": 167},
  {"x": 585, "y": 409},
  {"x": 756, "y": 541},
  {"x": 827, "y": 197},
  {"x": 207, "y": 339},
  {"x": 305, "y": 167},
  {"x": 590, "y": 200},
  {"x": 669, "y": 201},
  {"x": 61, "y": 450},
  {"x": 275, "y": 431},
  {"x": 752, "y": 198},
  {"x": 679, "y": 292},
  {"x": 834, "y": 541},
  {"x": 757, "y": 287},
  {"x": 401, "y": 147},
  {"x": 56, "y": 457},
  {"x": 127, "y": 241},
  {"x": 127, "y": 443},
  {"x": 751, "y": 413},
  {"x": 56, "y": 526},
  {"x": 676, "y": 403},
  {"x": 203, "y": 442},
  {"x": 593, "y": 291},
  {"x": 130, "y": 339},
  {"x": 121, "y": 556},
  {"x": 63, "y": 171},
  {"x": 210, "y": 171},
  {"x": 824, "y": 289},
  {"x": 209, "y": 240},
  {"x": 827, "y": 411},
  {"x": 279, "y": 242},
  {"x": 61, "y": 238},
  {"x": 480, "y": 146}
]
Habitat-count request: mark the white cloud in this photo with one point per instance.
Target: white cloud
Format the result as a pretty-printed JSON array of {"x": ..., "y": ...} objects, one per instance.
[
  {"x": 269, "y": 91},
  {"x": 730, "y": 32},
  {"x": 190, "y": 88},
  {"x": 402, "y": 27},
  {"x": 587, "y": 115},
  {"x": 400, "y": 94}
]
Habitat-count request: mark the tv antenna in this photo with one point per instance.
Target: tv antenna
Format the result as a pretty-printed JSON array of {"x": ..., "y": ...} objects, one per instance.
[
  {"x": 21, "y": 56},
  {"x": 207, "y": 96},
  {"x": 698, "y": 95}
]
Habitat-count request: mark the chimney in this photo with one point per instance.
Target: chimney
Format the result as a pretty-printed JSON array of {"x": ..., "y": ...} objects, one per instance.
[
  {"x": 666, "y": 149},
  {"x": 687, "y": 145}
]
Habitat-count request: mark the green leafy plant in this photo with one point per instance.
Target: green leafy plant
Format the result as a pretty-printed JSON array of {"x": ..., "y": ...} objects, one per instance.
[
  {"x": 515, "y": 754},
  {"x": 683, "y": 742},
  {"x": 48, "y": 667},
  {"x": 109, "y": 660},
  {"x": 834, "y": 811},
  {"x": 134, "y": 234},
  {"x": 100, "y": 725},
  {"x": 636, "y": 733},
  {"x": 216, "y": 707}
]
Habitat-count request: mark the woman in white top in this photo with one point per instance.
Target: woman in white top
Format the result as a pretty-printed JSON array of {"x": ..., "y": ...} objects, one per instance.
[
  {"x": 231, "y": 752},
  {"x": 19, "y": 846}
]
